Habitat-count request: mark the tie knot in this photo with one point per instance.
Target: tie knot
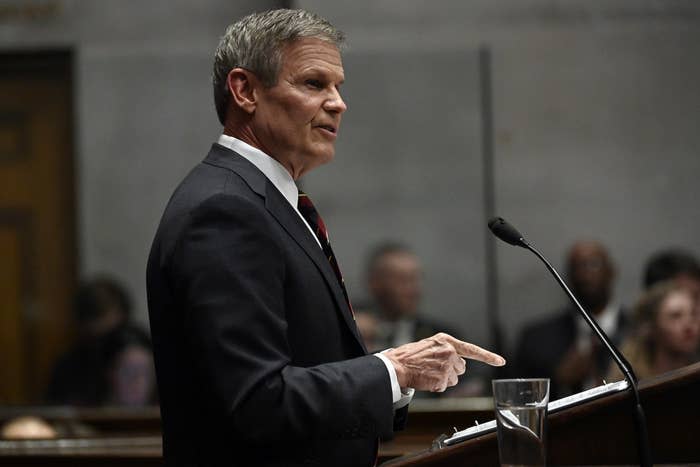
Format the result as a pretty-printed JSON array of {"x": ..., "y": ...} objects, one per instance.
[
  {"x": 308, "y": 211},
  {"x": 303, "y": 201}
]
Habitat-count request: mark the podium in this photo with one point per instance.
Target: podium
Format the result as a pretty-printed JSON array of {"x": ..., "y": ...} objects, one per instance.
[{"x": 601, "y": 431}]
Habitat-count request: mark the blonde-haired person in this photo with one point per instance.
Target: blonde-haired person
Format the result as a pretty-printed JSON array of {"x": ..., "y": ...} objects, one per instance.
[{"x": 667, "y": 334}]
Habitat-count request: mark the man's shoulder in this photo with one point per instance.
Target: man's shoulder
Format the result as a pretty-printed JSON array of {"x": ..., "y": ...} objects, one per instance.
[
  {"x": 222, "y": 172},
  {"x": 207, "y": 188}
]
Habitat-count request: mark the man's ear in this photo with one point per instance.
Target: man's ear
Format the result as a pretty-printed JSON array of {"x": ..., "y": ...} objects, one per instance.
[{"x": 242, "y": 86}]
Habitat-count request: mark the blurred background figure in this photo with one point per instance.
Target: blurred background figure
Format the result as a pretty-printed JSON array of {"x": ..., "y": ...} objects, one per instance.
[
  {"x": 27, "y": 427},
  {"x": 667, "y": 331},
  {"x": 561, "y": 347},
  {"x": 101, "y": 305},
  {"x": 395, "y": 283},
  {"x": 129, "y": 371},
  {"x": 393, "y": 316},
  {"x": 368, "y": 325},
  {"x": 674, "y": 264}
]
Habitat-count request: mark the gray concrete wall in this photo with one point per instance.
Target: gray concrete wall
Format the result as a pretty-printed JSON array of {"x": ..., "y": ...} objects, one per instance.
[
  {"x": 408, "y": 167},
  {"x": 144, "y": 112},
  {"x": 596, "y": 107}
]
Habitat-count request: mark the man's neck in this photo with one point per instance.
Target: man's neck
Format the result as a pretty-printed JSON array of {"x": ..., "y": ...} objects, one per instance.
[{"x": 246, "y": 134}]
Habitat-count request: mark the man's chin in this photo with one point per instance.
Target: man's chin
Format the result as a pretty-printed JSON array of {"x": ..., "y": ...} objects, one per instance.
[
  {"x": 311, "y": 162},
  {"x": 322, "y": 158}
]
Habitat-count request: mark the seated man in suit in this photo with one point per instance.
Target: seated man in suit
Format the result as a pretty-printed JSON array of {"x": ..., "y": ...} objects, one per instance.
[
  {"x": 395, "y": 284},
  {"x": 258, "y": 358},
  {"x": 561, "y": 347}
]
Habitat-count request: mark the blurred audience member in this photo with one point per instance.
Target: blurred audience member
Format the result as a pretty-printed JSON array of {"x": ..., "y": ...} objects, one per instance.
[
  {"x": 395, "y": 284},
  {"x": 562, "y": 347},
  {"x": 101, "y": 305},
  {"x": 667, "y": 331},
  {"x": 394, "y": 280},
  {"x": 130, "y": 375},
  {"x": 674, "y": 264},
  {"x": 368, "y": 325}
]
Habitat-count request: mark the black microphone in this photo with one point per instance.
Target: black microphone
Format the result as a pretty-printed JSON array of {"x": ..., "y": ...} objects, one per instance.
[
  {"x": 506, "y": 232},
  {"x": 509, "y": 234}
]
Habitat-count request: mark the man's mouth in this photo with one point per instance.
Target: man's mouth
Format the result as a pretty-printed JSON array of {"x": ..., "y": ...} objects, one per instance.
[{"x": 328, "y": 128}]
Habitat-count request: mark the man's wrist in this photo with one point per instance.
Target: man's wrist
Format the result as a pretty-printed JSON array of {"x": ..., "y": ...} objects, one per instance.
[
  {"x": 401, "y": 375},
  {"x": 406, "y": 397},
  {"x": 397, "y": 391}
]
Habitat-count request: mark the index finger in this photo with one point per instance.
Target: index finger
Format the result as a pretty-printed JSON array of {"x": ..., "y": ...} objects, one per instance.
[{"x": 474, "y": 352}]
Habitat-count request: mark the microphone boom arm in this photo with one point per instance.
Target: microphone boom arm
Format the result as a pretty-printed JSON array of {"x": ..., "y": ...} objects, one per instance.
[
  {"x": 620, "y": 359},
  {"x": 644, "y": 450},
  {"x": 509, "y": 234}
]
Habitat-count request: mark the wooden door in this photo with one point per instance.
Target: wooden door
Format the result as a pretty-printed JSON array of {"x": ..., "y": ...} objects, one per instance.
[{"x": 37, "y": 221}]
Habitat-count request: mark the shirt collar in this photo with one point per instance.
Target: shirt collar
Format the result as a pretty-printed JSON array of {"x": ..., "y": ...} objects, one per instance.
[
  {"x": 273, "y": 170},
  {"x": 607, "y": 320}
]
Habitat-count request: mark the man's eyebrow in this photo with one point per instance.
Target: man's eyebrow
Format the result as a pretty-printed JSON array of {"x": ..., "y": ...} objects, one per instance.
[{"x": 314, "y": 70}]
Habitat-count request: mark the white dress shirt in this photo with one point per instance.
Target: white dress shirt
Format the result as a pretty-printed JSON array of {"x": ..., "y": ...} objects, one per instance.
[
  {"x": 608, "y": 321},
  {"x": 283, "y": 181}
]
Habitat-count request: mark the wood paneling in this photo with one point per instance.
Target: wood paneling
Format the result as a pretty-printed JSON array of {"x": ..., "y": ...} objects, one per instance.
[
  {"x": 37, "y": 231},
  {"x": 11, "y": 369}
]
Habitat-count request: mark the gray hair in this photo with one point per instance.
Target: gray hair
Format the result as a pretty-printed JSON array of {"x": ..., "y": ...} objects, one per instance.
[{"x": 255, "y": 43}]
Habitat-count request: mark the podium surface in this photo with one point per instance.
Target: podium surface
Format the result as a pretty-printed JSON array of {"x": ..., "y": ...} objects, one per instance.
[
  {"x": 601, "y": 431},
  {"x": 596, "y": 432}
]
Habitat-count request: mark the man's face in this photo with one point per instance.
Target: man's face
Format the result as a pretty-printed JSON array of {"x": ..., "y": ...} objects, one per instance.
[
  {"x": 133, "y": 377},
  {"x": 296, "y": 121},
  {"x": 396, "y": 284},
  {"x": 591, "y": 275},
  {"x": 678, "y": 324}
]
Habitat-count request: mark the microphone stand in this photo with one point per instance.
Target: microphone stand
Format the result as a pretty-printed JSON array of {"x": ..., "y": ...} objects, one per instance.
[{"x": 622, "y": 363}]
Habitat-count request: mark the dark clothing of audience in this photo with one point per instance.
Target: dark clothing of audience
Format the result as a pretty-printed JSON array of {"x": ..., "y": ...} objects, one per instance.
[
  {"x": 77, "y": 377},
  {"x": 101, "y": 308},
  {"x": 88, "y": 375},
  {"x": 543, "y": 344},
  {"x": 395, "y": 333}
]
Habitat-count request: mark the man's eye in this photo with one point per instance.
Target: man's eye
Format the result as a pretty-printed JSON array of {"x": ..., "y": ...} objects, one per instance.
[{"x": 314, "y": 83}]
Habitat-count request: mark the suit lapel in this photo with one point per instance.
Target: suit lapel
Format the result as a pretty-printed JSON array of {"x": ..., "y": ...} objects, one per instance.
[
  {"x": 290, "y": 221},
  {"x": 287, "y": 217}
]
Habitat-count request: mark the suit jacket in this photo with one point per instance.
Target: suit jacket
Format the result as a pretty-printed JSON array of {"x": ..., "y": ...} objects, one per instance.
[
  {"x": 257, "y": 355},
  {"x": 543, "y": 344}
]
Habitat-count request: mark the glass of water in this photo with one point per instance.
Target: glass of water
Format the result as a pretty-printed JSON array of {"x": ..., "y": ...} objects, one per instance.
[{"x": 521, "y": 417}]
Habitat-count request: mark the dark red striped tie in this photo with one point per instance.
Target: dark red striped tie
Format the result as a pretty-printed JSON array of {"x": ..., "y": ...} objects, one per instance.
[{"x": 308, "y": 211}]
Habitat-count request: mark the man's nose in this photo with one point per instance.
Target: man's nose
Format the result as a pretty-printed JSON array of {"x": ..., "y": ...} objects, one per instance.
[{"x": 335, "y": 103}]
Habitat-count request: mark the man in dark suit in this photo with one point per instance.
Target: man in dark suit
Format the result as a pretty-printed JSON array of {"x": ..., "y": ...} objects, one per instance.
[
  {"x": 258, "y": 358},
  {"x": 561, "y": 347}
]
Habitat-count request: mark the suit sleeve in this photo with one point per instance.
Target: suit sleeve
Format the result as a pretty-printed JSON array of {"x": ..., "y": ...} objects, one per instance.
[{"x": 231, "y": 278}]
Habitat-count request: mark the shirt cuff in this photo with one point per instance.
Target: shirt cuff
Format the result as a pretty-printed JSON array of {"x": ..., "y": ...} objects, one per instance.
[{"x": 399, "y": 397}]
